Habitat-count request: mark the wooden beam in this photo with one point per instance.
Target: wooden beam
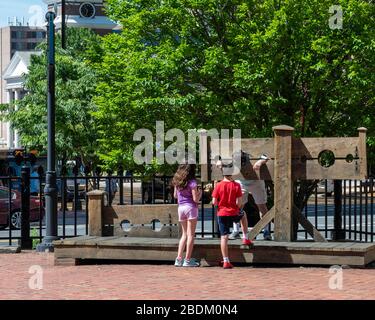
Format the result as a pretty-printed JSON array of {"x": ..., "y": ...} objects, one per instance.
[
  {"x": 307, "y": 225},
  {"x": 203, "y": 155},
  {"x": 266, "y": 219},
  {"x": 283, "y": 183},
  {"x": 362, "y": 152}
]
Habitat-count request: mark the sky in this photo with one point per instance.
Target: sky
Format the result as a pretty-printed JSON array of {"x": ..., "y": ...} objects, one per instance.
[{"x": 32, "y": 10}]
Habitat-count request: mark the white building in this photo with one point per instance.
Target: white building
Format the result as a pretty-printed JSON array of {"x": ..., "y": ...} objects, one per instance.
[{"x": 14, "y": 88}]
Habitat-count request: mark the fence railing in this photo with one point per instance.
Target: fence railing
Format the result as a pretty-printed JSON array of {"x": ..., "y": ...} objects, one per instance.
[{"x": 351, "y": 214}]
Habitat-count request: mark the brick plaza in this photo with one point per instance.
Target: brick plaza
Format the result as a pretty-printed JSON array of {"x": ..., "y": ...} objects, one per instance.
[{"x": 152, "y": 281}]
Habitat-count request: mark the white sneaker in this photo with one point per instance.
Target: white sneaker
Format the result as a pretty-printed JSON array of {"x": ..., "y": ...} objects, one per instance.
[
  {"x": 178, "y": 262},
  {"x": 190, "y": 263}
]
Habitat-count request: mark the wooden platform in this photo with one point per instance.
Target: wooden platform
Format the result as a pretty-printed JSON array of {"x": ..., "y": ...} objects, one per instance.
[{"x": 77, "y": 250}]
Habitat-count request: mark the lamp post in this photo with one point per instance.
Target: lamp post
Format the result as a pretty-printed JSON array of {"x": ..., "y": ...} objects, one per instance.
[
  {"x": 63, "y": 25},
  {"x": 50, "y": 189}
]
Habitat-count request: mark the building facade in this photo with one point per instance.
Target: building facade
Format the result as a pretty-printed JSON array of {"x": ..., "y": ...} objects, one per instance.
[
  {"x": 14, "y": 39},
  {"x": 14, "y": 89},
  {"x": 18, "y": 43}
]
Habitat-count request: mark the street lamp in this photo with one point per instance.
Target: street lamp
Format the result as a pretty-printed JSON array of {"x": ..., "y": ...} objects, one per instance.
[
  {"x": 63, "y": 25},
  {"x": 50, "y": 190}
]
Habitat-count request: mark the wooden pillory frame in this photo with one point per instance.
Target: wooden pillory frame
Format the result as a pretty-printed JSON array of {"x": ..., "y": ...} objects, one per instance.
[{"x": 291, "y": 159}]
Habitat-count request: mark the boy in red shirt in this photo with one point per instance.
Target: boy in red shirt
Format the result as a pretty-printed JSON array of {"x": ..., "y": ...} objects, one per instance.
[{"x": 227, "y": 196}]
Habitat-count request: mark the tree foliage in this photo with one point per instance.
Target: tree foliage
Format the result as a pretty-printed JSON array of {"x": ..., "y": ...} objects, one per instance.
[
  {"x": 248, "y": 64},
  {"x": 76, "y": 133}
]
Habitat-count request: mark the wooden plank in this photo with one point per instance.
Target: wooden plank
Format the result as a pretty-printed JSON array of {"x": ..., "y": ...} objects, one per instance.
[
  {"x": 144, "y": 214},
  {"x": 267, "y": 218},
  {"x": 312, "y": 147},
  {"x": 370, "y": 256},
  {"x": 362, "y": 153},
  {"x": 283, "y": 183},
  {"x": 75, "y": 240},
  {"x": 204, "y": 155},
  {"x": 58, "y": 261},
  {"x": 209, "y": 251},
  {"x": 253, "y": 147},
  {"x": 312, "y": 169}
]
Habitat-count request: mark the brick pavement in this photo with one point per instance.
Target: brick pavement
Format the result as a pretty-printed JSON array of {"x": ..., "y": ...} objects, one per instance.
[{"x": 129, "y": 281}]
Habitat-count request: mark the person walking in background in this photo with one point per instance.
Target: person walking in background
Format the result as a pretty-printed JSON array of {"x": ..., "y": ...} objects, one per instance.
[
  {"x": 111, "y": 193},
  {"x": 188, "y": 196}
]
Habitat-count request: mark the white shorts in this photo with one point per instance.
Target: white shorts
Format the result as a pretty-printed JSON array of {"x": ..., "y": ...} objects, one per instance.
[{"x": 257, "y": 188}]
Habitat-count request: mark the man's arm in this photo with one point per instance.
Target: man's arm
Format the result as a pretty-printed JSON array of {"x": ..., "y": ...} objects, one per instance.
[{"x": 263, "y": 160}]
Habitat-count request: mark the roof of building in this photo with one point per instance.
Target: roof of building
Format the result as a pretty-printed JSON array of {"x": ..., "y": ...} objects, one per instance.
[{"x": 19, "y": 64}]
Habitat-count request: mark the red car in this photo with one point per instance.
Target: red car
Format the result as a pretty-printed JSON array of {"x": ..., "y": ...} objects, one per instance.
[{"x": 15, "y": 218}]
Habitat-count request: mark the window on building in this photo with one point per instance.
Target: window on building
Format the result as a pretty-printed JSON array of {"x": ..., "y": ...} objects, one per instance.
[
  {"x": 40, "y": 35},
  {"x": 31, "y": 45}
]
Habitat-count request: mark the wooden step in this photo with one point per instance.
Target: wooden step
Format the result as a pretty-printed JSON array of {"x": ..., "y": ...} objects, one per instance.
[{"x": 78, "y": 249}]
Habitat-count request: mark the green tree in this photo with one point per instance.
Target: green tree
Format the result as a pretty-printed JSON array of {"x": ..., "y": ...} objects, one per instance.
[
  {"x": 235, "y": 64},
  {"x": 248, "y": 64},
  {"x": 76, "y": 132}
]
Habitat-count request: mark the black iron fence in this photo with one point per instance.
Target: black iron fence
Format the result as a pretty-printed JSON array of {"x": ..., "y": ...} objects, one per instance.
[{"x": 346, "y": 213}]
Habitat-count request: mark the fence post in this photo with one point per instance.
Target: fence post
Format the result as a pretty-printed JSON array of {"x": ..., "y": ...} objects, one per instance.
[
  {"x": 283, "y": 183},
  {"x": 26, "y": 242},
  {"x": 120, "y": 173},
  {"x": 77, "y": 205},
  {"x": 338, "y": 233},
  {"x": 96, "y": 207}
]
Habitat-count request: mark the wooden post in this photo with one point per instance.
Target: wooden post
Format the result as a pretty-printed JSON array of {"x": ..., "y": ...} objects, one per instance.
[
  {"x": 283, "y": 183},
  {"x": 96, "y": 208},
  {"x": 362, "y": 152}
]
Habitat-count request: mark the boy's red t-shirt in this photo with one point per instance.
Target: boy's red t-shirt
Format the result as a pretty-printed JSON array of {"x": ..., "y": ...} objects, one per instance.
[{"x": 227, "y": 192}]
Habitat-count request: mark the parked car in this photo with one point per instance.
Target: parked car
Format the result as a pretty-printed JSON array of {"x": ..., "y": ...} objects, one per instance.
[{"x": 15, "y": 217}]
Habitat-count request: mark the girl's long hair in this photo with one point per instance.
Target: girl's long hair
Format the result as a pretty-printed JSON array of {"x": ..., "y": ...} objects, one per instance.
[{"x": 183, "y": 175}]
